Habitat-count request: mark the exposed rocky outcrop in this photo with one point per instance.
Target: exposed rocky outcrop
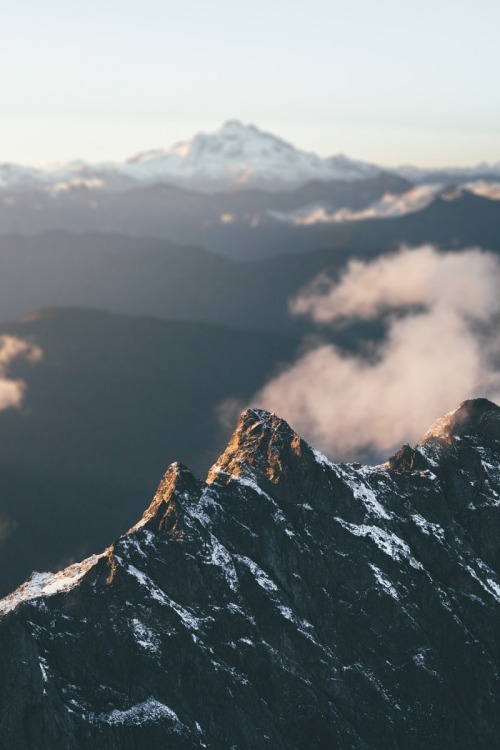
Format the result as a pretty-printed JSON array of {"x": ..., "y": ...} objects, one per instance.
[{"x": 285, "y": 603}]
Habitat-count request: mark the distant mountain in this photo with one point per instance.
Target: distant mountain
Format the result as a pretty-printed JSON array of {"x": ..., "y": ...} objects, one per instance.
[
  {"x": 112, "y": 401},
  {"x": 239, "y": 192},
  {"x": 236, "y": 156},
  {"x": 240, "y": 155},
  {"x": 177, "y": 215},
  {"x": 286, "y": 602},
  {"x": 458, "y": 174}
]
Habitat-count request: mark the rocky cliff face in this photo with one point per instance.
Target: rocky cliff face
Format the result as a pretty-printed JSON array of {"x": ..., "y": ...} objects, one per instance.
[{"x": 286, "y": 602}]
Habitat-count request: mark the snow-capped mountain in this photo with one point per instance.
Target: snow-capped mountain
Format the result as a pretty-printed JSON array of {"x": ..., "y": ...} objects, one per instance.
[
  {"x": 240, "y": 155},
  {"x": 286, "y": 602},
  {"x": 235, "y": 157}
]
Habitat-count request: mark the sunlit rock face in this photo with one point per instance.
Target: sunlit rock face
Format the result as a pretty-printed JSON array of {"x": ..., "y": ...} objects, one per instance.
[{"x": 285, "y": 603}]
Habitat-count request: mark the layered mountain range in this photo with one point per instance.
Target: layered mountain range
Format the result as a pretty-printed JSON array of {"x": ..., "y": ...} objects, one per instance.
[
  {"x": 285, "y": 602},
  {"x": 248, "y": 194},
  {"x": 139, "y": 275},
  {"x": 237, "y": 156}
]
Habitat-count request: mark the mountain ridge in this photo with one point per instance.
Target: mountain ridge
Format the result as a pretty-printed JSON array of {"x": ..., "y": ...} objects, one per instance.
[
  {"x": 234, "y": 157},
  {"x": 289, "y": 602}
]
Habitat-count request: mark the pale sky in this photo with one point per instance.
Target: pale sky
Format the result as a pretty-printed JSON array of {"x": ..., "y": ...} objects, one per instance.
[{"x": 389, "y": 81}]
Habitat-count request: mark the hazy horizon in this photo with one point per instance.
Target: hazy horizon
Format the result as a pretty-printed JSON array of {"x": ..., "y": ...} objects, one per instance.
[
  {"x": 119, "y": 153},
  {"x": 377, "y": 82}
]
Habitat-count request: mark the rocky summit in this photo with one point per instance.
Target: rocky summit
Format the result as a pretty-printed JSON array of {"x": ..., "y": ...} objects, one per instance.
[{"x": 286, "y": 602}]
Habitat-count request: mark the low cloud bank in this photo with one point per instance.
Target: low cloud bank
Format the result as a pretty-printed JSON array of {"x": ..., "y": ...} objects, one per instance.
[
  {"x": 390, "y": 205},
  {"x": 442, "y": 346},
  {"x": 484, "y": 188},
  {"x": 12, "y": 391}
]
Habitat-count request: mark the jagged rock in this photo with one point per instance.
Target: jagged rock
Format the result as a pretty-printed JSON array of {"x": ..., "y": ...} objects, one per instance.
[{"x": 285, "y": 603}]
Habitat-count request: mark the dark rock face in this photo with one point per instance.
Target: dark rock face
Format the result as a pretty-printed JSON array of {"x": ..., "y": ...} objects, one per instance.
[{"x": 285, "y": 603}]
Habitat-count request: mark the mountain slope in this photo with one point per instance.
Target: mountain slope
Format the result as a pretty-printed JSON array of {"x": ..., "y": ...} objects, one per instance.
[{"x": 286, "y": 602}]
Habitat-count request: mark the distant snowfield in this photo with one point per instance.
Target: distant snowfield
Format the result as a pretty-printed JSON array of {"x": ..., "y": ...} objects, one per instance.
[{"x": 235, "y": 157}]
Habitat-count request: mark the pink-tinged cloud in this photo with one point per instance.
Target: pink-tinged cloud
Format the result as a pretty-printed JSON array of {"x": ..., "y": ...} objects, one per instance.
[
  {"x": 444, "y": 348},
  {"x": 11, "y": 390}
]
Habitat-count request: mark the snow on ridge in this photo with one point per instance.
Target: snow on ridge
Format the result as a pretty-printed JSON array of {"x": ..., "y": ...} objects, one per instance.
[
  {"x": 232, "y": 157},
  {"x": 384, "y": 582},
  {"x": 243, "y": 156},
  {"x": 491, "y": 586},
  {"x": 429, "y": 528},
  {"x": 321, "y": 459},
  {"x": 146, "y": 638},
  {"x": 47, "y": 584},
  {"x": 388, "y": 542},
  {"x": 149, "y": 711},
  {"x": 260, "y": 576},
  {"x": 362, "y": 492},
  {"x": 190, "y": 621},
  {"x": 221, "y": 558}
]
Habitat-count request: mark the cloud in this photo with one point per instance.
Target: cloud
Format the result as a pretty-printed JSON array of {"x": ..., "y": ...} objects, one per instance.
[
  {"x": 441, "y": 347},
  {"x": 228, "y": 218},
  {"x": 388, "y": 206},
  {"x": 463, "y": 282},
  {"x": 228, "y": 412},
  {"x": 91, "y": 183},
  {"x": 484, "y": 188},
  {"x": 11, "y": 348}
]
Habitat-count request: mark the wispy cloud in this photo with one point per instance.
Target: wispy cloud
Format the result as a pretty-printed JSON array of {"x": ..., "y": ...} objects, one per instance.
[
  {"x": 388, "y": 206},
  {"x": 91, "y": 183},
  {"x": 441, "y": 347},
  {"x": 11, "y": 390},
  {"x": 484, "y": 188},
  {"x": 462, "y": 282}
]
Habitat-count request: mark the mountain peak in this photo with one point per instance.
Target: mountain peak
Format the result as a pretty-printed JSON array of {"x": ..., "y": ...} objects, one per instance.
[
  {"x": 166, "y": 509},
  {"x": 241, "y": 155},
  {"x": 476, "y": 420},
  {"x": 290, "y": 591},
  {"x": 474, "y": 417},
  {"x": 236, "y": 126},
  {"x": 261, "y": 444}
]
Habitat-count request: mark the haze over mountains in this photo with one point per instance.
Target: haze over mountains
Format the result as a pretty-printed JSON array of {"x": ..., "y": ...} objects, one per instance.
[
  {"x": 237, "y": 156},
  {"x": 237, "y": 191},
  {"x": 220, "y": 254}
]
